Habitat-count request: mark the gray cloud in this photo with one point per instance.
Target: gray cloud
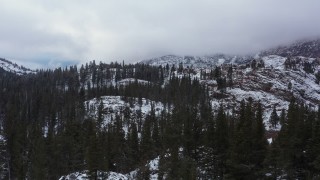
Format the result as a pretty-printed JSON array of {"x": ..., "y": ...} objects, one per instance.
[{"x": 52, "y": 32}]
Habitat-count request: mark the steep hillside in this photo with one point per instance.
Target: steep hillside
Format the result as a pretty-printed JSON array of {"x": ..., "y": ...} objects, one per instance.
[
  {"x": 305, "y": 48},
  {"x": 112, "y": 106},
  {"x": 274, "y": 84},
  {"x": 13, "y": 67}
]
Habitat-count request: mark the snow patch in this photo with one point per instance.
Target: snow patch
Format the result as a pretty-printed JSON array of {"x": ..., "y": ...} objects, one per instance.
[
  {"x": 84, "y": 176},
  {"x": 117, "y": 105},
  {"x": 274, "y": 61}
]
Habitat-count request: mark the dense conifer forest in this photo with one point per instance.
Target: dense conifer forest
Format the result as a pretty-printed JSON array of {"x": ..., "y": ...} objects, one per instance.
[{"x": 47, "y": 132}]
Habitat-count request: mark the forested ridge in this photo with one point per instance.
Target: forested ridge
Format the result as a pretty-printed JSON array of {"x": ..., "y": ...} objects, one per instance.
[{"x": 47, "y": 132}]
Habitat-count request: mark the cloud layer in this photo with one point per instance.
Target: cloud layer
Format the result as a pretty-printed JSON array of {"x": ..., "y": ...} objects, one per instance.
[{"x": 77, "y": 31}]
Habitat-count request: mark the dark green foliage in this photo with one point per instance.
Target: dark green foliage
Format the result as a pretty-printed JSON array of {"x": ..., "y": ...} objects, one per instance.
[
  {"x": 249, "y": 144},
  {"x": 274, "y": 118},
  {"x": 222, "y": 84},
  {"x": 282, "y": 117},
  {"x": 48, "y": 133},
  {"x": 147, "y": 144},
  {"x": 317, "y": 75},
  {"x": 260, "y": 143},
  {"x": 221, "y": 143},
  {"x": 307, "y": 67},
  {"x": 294, "y": 149},
  {"x": 144, "y": 173}
]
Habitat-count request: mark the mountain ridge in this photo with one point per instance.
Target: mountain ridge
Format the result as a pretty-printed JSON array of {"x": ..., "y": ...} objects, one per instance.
[
  {"x": 9, "y": 66},
  {"x": 305, "y": 48},
  {"x": 122, "y": 121}
]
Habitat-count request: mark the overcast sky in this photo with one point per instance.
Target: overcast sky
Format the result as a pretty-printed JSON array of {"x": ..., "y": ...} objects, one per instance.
[{"x": 48, "y": 33}]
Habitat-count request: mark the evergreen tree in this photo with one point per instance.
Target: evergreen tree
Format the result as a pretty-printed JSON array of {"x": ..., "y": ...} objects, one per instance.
[
  {"x": 313, "y": 147},
  {"x": 230, "y": 76},
  {"x": 134, "y": 145},
  {"x": 156, "y": 135},
  {"x": 146, "y": 140},
  {"x": 93, "y": 154},
  {"x": 282, "y": 117},
  {"x": 38, "y": 154},
  {"x": 100, "y": 114},
  {"x": 144, "y": 173},
  {"x": 260, "y": 143},
  {"x": 274, "y": 118},
  {"x": 221, "y": 142},
  {"x": 241, "y": 162}
]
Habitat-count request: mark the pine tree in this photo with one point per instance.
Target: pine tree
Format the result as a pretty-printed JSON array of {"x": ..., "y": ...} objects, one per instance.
[
  {"x": 291, "y": 142},
  {"x": 156, "y": 136},
  {"x": 100, "y": 114},
  {"x": 221, "y": 142},
  {"x": 38, "y": 154},
  {"x": 313, "y": 147},
  {"x": 282, "y": 117},
  {"x": 144, "y": 173},
  {"x": 188, "y": 139},
  {"x": 146, "y": 140},
  {"x": 17, "y": 149},
  {"x": 134, "y": 145},
  {"x": 188, "y": 169},
  {"x": 230, "y": 76},
  {"x": 241, "y": 160},
  {"x": 260, "y": 143},
  {"x": 274, "y": 118},
  {"x": 92, "y": 155}
]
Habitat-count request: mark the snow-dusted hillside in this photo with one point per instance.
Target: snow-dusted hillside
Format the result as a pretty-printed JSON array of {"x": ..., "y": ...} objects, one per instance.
[
  {"x": 14, "y": 68},
  {"x": 196, "y": 61},
  {"x": 306, "y": 48},
  {"x": 273, "y": 85},
  {"x": 116, "y": 105}
]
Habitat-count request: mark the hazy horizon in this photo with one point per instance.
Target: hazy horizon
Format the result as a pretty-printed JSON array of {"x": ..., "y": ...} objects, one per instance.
[{"x": 42, "y": 34}]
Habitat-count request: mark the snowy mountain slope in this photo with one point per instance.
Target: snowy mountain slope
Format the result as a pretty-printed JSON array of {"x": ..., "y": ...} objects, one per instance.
[
  {"x": 116, "y": 105},
  {"x": 273, "y": 85},
  {"x": 14, "y": 68},
  {"x": 196, "y": 61},
  {"x": 306, "y": 48}
]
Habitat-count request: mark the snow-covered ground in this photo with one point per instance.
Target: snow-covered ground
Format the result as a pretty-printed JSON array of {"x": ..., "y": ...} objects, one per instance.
[
  {"x": 84, "y": 176},
  {"x": 274, "y": 61},
  {"x": 267, "y": 100},
  {"x": 14, "y": 68},
  {"x": 131, "y": 80},
  {"x": 113, "y": 105},
  {"x": 117, "y": 105},
  {"x": 153, "y": 167}
]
